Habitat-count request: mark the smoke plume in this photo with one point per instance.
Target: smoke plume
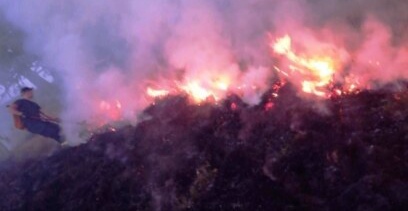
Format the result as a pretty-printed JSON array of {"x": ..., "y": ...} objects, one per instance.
[{"x": 107, "y": 52}]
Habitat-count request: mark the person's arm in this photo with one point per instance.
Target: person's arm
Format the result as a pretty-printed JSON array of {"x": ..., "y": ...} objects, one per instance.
[
  {"x": 48, "y": 117},
  {"x": 13, "y": 110}
]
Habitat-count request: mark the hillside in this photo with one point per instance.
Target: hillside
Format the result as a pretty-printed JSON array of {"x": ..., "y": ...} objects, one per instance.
[{"x": 347, "y": 153}]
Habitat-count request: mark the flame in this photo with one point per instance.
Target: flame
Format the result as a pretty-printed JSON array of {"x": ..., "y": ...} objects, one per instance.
[
  {"x": 206, "y": 87},
  {"x": 109, "y": 111},
  {"x": 196, "y": 91},
  {"x": 202, "y": 90},
  {"x": 317, "y": 71},
  {"x": 156, "y": 92}
]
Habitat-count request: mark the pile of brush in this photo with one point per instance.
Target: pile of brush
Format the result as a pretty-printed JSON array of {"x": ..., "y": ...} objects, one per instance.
[{"x": 346, "y": 153}]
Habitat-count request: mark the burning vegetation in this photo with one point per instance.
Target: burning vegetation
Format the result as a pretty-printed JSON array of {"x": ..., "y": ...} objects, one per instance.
[
  {"x": 281, "y": 154},
  {"x": 241, "y": 105}
]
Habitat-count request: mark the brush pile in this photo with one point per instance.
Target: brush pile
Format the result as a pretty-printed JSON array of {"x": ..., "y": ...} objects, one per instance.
[{"x": 347, "y": 153}]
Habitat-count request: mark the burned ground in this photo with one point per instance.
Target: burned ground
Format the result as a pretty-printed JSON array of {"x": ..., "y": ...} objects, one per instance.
[{"x": 347, "y": 153}]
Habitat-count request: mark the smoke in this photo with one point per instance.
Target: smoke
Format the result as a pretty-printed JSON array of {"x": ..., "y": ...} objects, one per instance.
[
  {"x": 108, "y": 51},
  {"x": 369, "y": 38}
]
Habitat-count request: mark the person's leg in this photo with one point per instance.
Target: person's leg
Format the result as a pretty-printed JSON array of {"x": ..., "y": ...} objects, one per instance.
[
  {"x": 52, "y": 130},
  {"x": 47, "y": 129}
]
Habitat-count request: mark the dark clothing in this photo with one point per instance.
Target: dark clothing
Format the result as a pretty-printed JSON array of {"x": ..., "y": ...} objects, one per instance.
[
  {"x": 29, "y": 108},
  {"x": 33, "y": 122}
]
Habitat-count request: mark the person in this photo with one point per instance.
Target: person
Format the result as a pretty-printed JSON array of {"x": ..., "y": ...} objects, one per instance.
[{"x": 33, "y": 119}]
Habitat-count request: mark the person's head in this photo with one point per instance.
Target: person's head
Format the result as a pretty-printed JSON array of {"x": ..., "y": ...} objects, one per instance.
[{"x": 27, "y": 92}]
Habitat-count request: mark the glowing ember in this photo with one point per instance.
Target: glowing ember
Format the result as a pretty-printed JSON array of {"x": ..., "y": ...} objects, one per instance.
[
  {"x": 317, "y": 71},
  {"x": 268, "y": 106},
  {"x": 233, "y": 106}
]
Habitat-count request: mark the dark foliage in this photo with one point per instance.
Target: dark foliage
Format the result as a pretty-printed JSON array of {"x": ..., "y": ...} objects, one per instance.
[{"x": 346, "y": 153}]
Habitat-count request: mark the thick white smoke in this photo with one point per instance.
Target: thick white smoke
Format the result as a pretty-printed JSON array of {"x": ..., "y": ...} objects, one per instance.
[{"x": 107, "y": 51}]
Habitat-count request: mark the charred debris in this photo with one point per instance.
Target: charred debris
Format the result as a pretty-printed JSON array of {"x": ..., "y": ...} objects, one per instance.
[{"x": 349, "y": 152}]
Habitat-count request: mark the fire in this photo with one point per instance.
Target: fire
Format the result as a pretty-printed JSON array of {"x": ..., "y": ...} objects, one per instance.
[
  {"x": 203, "y": 90},
  {"x": 199, "y": 89},
  {"x": 109, "y": 111},
  {"x": 313, "y": 70},
  {"x": 156, "y": 92},
  {"x": 317, "y": 71}
]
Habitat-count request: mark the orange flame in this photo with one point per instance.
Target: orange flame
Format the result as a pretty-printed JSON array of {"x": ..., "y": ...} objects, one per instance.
[
  {"x": 202, "y": 90},
  {"x": 196, "y": 91},
  {"x": 317, "y": 71}
]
